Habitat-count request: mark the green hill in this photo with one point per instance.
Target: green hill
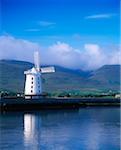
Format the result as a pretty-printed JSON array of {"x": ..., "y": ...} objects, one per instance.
[
  {"x": 105, "y": 78},
  {"x": 107, "y": 74}
]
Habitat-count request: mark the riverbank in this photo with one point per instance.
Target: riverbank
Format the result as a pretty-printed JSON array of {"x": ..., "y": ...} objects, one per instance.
[{"x": 54, "y": 103}]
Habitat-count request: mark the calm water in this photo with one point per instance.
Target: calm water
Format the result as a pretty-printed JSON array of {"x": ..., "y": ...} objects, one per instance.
[{"x": 83, "y": 129}]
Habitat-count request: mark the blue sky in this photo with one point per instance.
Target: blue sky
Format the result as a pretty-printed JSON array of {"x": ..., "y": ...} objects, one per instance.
[
  {"x": 73, "y": 22},
  {"x": 66, "y": 20}
]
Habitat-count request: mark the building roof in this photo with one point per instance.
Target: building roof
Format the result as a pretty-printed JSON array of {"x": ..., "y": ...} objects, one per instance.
[{"x": 32, "y": 71}]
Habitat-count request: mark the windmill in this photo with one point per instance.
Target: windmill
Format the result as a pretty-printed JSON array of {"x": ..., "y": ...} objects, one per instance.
[{"x": 33, "y": 82}]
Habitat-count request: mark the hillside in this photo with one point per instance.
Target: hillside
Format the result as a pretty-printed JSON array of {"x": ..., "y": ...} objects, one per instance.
[
  {"x": 107, "y": 74},
  {"x": 105, "y": 78}
]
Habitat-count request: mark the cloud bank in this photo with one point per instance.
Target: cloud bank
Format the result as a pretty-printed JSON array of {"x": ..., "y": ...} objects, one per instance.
[
  {"x": 92, "y": 56},
  {"x": 18, "y": 49}
]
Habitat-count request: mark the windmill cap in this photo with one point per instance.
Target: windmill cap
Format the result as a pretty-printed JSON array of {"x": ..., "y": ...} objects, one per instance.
[{"x": 32, "y": 71}]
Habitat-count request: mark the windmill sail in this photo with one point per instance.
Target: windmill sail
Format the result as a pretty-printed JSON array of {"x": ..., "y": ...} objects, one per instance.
[
  {"x": 37, "y": 60},
  {"x": 47, "y": 69}
]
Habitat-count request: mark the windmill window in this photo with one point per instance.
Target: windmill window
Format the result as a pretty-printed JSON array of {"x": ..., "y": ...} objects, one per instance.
[
  {"x": 32, "y": 78},
  {"x": 31, "y": 91},
  {"x": 31, "y": 86},
  {"x": 32, "y": 82}
]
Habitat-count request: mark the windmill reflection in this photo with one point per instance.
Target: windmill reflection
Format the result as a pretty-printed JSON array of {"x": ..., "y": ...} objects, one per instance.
[{"x": 32, "y": 127}]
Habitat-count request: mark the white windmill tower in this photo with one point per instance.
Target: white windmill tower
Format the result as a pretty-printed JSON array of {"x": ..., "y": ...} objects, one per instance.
[{"x": 33, "y": 83}]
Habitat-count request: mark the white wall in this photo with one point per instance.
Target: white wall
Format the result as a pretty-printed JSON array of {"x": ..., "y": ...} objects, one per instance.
[{"x": 33, "y": 84}]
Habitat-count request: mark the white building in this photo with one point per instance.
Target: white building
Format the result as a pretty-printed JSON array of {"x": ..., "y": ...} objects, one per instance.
[{"x": 33, "y": 83}]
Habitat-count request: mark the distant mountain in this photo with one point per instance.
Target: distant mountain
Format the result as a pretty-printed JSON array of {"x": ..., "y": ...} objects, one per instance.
[
  {"x": 12, "y": 75},
  {"x": 107, "y": 74},
  {"x": 105, "y": 78}
]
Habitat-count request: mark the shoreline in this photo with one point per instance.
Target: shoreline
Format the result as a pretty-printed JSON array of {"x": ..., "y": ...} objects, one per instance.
[{"x": 22, "y": 104}]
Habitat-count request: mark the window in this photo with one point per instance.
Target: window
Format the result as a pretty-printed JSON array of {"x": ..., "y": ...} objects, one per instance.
[
  {"x": 32, "y": 82},
  {"x": 31, "y": 86},
  {"x": 32, "y": 78},
  {"x": 31, "y": 91}
]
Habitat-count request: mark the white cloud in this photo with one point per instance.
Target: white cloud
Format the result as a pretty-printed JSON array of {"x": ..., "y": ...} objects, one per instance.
[
  {"x": 64, "y": 55},
  {"x": 19, "y": 49},
  {"x": 92, "y": 56},
  {"x": 46, "y": 23},
  {"x": 100, "y": 16}
]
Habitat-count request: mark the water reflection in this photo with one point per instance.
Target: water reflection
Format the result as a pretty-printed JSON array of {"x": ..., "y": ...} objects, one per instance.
[
  {"x": 29, "y": 127},
  {"x": 32, "y": 127},
  {"x": 84, "y": 129}
]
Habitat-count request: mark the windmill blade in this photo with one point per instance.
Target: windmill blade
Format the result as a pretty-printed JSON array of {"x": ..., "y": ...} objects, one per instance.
[
  {"x": 37, "y": 60},
  {"x": 47, "y": 69}
]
